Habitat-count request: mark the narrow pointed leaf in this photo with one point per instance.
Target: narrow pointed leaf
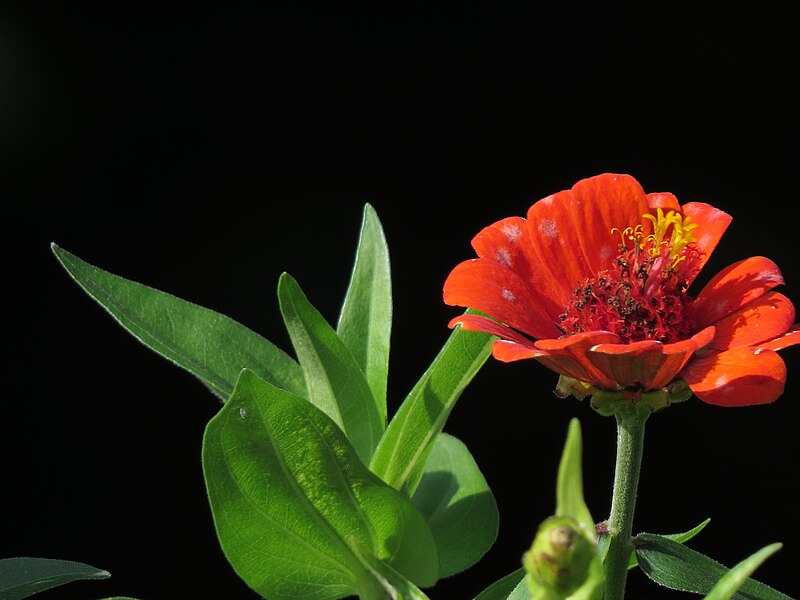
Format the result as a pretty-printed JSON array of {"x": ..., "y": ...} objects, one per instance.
[
  {"x": 335, "y": 382},
  {"x": 208, "y": 344},
  {"x": 569, "y": 485},
  {"x": 675, "y": 566},
  {"x": 289, "y": 494},
  {"x": 458, "y": 505},
  {"x": 730, "y": 583},
  {"x": 681, "y": 538},
  {"x": 501, "y": 588},
  {"x": 365, "y": 322},
  {"x": 407, "y": 442},
  {"x": 23, "y": 577}
]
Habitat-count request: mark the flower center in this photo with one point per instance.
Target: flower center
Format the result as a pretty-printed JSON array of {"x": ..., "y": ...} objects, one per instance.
[{"x": 644, "y": 296}]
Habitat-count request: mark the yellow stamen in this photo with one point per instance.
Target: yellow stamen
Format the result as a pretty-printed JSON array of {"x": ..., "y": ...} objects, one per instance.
[{"x": 681, "y": 236}]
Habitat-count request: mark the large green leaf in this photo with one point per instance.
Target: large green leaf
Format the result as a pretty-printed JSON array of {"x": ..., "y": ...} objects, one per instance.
[
  {"x": 290, "y": 499},
  {"x": 387, "y": 583},
  {"x": 336, "y": 384},
  {"x": 675, "y": 566},
  {"x": 208, "y": 344},
  {"x": 365, "y": 322},
  {"x": 504, "y": 586},
  {"x": 23, "y": 577},
  {"x": 458, "y": 505},
  {"x": 407, "y": 442},
  {"x": 730, "y": 583}
]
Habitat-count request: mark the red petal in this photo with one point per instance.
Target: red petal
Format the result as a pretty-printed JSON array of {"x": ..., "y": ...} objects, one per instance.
[
  {"x": 507, "y": 243},
  {"x": 734, "y": 287},
  {"x": 738, "y": 377},
  {"x": 601, "y": 204},
  {"x": 649, "y": 364},
  {"x": 664, "y": 201},
  {"x": 764, "y": 319},
  {"x": 506, "y": 351},
  {"x": 711, "y": 224},
  {"x": 554, "y": 245},
  {"x": 490, "y": 326},
  {"x": 790, "y": 338},
  {"x": 568, "y": 356},
  {"x": 489, "y": 287}
]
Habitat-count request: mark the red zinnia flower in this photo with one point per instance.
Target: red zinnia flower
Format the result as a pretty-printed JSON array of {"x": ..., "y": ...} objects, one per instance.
[{"x": 593, "y": 284}]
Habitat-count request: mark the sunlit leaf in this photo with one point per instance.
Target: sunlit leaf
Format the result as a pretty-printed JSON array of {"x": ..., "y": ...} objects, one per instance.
[
  {"x": 734, "y": 579},
  {"x": 408, "y": 441},
  {"x": 336, "y": 384},
  {"x": 569, "y": 485},
  {"x": 289, "y": 495},
  {"x": 501, "y": 588},
  {"x": 365, "y": 322},
  {"x": 386, "y": 582},
  {"x": 23, "y": 577},
  {"x": 458, "y": 505},
  {"x": 208, "y": 344}
]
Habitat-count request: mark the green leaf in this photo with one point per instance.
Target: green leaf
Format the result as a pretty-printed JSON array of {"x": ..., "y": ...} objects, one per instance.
[
  {"x": 387, "y": 582},
  {"x": 365, "y": 322},
  {"x": 208, "y": 344},
  {"x": 23, "y": 577},
  {"x": 735, "y": 578},
  {"x": 522, "y": 592},
  {"x": 458, "y": 505},
  {"x": 569, "y": 484},
  {"x": 501, "y": 588},
  {"x": 407, "y": 442},
  {"x": 289, "y": 495},
  {"x": 675, "y": 566},
  {"x": 335, "y": 382},
  {"x": 681, "y": 538}
]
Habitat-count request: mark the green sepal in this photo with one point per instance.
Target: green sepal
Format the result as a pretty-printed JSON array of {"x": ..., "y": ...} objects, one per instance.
[
  {"x": 289, "y": 495},
  {"x": 209, "y": 345},
  {"x": 675, "y": 566},
  {"x": 24, "y": 576},
  {"x": 563, "y": 561},
  {"x": 609, "y": 403}
]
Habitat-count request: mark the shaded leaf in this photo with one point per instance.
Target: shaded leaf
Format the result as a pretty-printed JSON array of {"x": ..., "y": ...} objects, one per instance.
[
  {"x": 681, "y": 538},
  {"x": 208, "y": 344},
  {"x": 335, "y": 382},
  {"x": 408, "y": 441},
  {"x": 23, "y": 577},
  {"x": 365, "y": 322},
  {"x": 458, "y": 505},
  {"x": 675, "y": 566},
  {"x": 288, "y": 495}
]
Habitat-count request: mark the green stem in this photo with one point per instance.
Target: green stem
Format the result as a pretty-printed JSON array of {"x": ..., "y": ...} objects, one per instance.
[{"x": 630, "y": 443}]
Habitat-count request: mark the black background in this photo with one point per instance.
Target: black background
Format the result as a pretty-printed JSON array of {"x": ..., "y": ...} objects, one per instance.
[{"x": 205, "y": 152}]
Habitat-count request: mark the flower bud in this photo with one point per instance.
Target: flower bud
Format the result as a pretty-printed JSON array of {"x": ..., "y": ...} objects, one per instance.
[{"x": 559, "y": 561}]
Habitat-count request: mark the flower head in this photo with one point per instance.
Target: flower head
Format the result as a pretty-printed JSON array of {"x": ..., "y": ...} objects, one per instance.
[{"x": 594, "y": 284}]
